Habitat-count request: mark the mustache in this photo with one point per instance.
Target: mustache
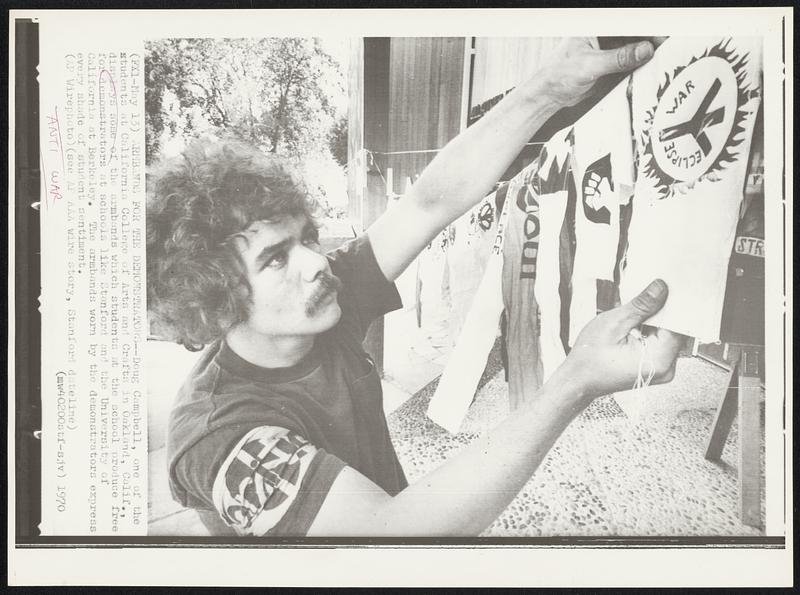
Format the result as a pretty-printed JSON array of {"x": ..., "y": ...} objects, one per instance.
[{"x": 327, "y": 284}]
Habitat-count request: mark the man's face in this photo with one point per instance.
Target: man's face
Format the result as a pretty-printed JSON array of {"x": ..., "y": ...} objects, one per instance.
[{"x": 293, "y": 291}]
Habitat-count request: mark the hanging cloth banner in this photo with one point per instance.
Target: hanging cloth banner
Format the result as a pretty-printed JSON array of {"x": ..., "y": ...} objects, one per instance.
[
  {"x": 694, "y": 106},
  {"x": 602, "y": 162},
  {"x": 520, "y": 251},
  {"x": 553, "y": 187},
  {"x": 473, "y": 239},
  {"x": 577, "y": 243},
  {"x": 562, "y": 244},
  {"x": 459, "y": 380}
]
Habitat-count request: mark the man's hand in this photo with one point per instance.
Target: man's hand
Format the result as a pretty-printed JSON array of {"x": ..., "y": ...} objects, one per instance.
[
  {"x": 577, "y": 64},
  {"x": 606, "y": 357},
  {"x": 467, "y": 168}
]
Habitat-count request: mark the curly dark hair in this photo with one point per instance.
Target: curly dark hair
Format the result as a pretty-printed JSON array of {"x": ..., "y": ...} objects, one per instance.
[{"x": 196, "y": 285}]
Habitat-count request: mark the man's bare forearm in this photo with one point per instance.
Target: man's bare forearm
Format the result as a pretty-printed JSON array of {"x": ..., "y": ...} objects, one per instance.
[
  {"x": 459, "y": 177},
  {"x": 467, "y": 168},
  {"x": 467, "y": 493}
]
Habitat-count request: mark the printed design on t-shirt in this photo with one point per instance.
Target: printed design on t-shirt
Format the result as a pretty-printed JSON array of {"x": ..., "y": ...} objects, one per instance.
[
  {"x": 551, "y": 173},
  {"x": 598, "y": 191},
  {"x": 261, "y": 478},
  {"x": 693, "y": 130}
]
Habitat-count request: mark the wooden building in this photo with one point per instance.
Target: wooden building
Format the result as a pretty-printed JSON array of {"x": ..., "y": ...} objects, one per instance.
[{"x": 410, "y": 96}]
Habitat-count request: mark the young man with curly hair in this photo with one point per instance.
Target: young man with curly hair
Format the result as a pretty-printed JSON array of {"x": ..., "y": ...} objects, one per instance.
[{"x": 279, "y": 430}]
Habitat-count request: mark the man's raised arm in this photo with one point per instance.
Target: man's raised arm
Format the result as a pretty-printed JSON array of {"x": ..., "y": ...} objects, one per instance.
[
  {"x": 468, "y": 167},
  {"x": 468, "y": 492}
]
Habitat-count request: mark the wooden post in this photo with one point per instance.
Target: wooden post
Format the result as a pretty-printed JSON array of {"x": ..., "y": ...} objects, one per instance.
[
  {"x": 726, "y": 413},
  {"x": 356, "y": 157},
  {"x": 749, "y": 438},
  {"x": 377, "y": 51},
  {"x": 741, "y": 401},
  {"x": 389, "y": 181},
  {"x": 466, "y": 81}
]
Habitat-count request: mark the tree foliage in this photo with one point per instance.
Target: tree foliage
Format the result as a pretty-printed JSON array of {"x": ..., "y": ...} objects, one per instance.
[
  {"x": 338, "y": 141},
  {"x": 273, "y": 92}
]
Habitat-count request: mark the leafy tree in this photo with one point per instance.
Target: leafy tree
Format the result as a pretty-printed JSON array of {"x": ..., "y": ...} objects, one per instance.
[
  {"x": 273, "y": 92},
  {"x": 338, "y": 141}
]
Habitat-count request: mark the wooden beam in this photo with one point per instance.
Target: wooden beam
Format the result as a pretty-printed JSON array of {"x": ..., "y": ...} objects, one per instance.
[
  {"x": 749, "y": 438},
  {"x": 741, "y": 401},
  {"x": 377, "y": 54},
  {"x": 726, "y": 413},
  {"x": 356, "y": 165}
]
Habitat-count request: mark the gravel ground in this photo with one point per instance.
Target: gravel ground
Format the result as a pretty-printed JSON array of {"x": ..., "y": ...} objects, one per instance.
[{"x": 610, "y": 473}]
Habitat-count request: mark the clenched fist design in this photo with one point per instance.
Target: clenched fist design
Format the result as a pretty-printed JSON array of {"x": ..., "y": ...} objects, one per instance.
[{"x": 598, "y": 191}]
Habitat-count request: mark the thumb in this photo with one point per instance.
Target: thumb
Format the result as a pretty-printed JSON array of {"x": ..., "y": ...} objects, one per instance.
[
  {"x": 622, "y": 59},
  {"x": 644, "y": 305}
]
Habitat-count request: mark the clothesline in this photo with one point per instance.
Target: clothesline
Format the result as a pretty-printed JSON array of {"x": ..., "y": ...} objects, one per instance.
[
  {"x": 422, "y": 151},
  {"x": 414, "y": 152}
]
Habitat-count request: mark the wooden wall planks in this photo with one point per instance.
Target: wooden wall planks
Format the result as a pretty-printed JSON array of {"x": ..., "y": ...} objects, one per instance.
[
  {"x": 356, "y": 166},
  {"x": 425, "y": 101},
  {"x": 502, "y": 62}
]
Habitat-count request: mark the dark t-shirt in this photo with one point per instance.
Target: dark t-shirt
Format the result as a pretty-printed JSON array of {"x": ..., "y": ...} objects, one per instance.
[{"x": 331, "y": 402}]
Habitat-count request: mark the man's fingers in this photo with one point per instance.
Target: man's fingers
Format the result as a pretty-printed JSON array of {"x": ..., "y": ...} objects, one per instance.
[
  {"x": 669, "y": 342},
  {"x": 644, "y": 305},
  {"x": 622, "y": 59},
  {"x": 664, "y": 346}
]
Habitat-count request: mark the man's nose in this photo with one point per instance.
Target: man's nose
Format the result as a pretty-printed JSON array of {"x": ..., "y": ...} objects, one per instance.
[{"x": 313, "y": 263}]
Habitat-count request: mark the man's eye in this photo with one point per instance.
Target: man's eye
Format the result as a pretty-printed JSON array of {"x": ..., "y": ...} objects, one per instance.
[
  {"x": 311, "y": 241},
  {"x": 277, "y": 260}
]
